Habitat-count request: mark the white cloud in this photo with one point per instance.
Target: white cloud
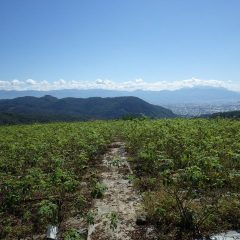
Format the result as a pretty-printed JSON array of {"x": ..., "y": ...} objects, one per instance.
[
  {"x": 31, "y": 82},
  {"x": 16, "y": 82},
  {"x": 139, "y": 80},
  {"x": 136, "y": 84},
  {"x": 4, "y": 84},
  {"x": 105, "y": 82}
]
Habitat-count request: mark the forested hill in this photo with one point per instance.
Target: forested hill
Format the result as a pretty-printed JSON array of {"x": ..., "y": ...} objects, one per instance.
[
  {"x": 48, "y": 108},
  {"x": 230, "y": 114}
]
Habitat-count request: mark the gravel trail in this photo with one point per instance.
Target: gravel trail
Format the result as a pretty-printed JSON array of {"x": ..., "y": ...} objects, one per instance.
[{"x": 115, "y": 214}]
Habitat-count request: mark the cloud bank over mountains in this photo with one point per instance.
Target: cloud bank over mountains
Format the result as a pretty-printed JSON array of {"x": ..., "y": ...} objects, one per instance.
[{"x": 137, "y": 84}]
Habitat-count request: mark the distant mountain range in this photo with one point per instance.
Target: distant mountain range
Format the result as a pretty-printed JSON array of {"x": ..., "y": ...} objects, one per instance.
[
  {"x": 184, "y": 95},
  {"x": 49, "y": 108}
]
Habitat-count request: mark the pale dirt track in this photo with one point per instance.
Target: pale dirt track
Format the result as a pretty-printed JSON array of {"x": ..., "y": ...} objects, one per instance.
[{"x": 120, "y": 199}]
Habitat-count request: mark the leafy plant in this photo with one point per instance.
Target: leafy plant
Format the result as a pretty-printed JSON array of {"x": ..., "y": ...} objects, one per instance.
[
  {"x": 98, "y": 189},
  {"x": 116, "y": 162},
  {"x": 113, "y": 220},
  {"x": 90, "y": 218},
  {"x": 188, "y": 168},
  {"x": 72, "y": 235},
  {"x": 47, "y": 212}
]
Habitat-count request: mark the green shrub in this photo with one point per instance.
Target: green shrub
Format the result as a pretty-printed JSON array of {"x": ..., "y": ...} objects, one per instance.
[{"x": 72, "y": 235}]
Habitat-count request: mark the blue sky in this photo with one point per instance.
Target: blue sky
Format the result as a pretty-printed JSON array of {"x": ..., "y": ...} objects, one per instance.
[{"x": 119, "y": 41}]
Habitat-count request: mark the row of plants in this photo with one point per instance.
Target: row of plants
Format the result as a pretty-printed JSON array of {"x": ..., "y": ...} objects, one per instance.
[
  {"x": 48, "y": 174},
  {"x": 188, "y": 171}
]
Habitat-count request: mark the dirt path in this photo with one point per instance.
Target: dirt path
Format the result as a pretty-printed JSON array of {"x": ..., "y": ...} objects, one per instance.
[{"x": 115, "y": 214}]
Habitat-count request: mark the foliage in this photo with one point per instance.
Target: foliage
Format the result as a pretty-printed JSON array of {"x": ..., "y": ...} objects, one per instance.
[
  {"x": 98, "y": 189},
  {"x": 90, "y": 218},
  {"x": 50, "y": 109},
  {"x": 47, "y": 212},
  {"x": 72, "y": 235},
  {"x": 188, "y": 171},
  {"x": 113, "y": 220},
  {"x": 41, "y": 168}
]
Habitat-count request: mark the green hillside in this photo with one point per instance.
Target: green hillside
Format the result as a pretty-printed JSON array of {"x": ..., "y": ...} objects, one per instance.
[{"x": 48, "y": 108}]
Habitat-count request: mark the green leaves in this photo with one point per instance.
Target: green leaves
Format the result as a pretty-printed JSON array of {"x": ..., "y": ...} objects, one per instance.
[
  {"x": 188, "y": 168},
  {"x": 41, "y": 167},
  {"x": 194, "y": 163},
  {"x": 98, "y": 189},
  {"x": 48, "y": 212},
  {"x": 90, "y": 218},
  {"x": 72, "y": 235},
  {"x": 193, "y": 174},
  {"x": 113, "y": 220},
  {"x": 11, "y": 194}
]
